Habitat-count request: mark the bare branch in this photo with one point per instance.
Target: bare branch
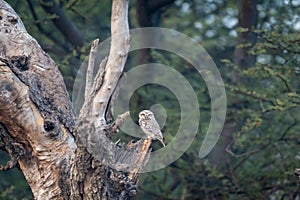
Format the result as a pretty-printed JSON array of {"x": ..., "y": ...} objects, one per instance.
[
  {"x": 9, "y": 165},
  {"x": 49, "y": 34},
  {"x": 13, "y": 148},
  {"x": 63, "y": 23},
  {"x": 117, "y": 56},
  {"x": 16, "y": 151},
  {"x": 99, "y": 76},
  {"x": 142, "y": 158},
  {"x": 97, "y": 83},
  {"x": 229, "y": 150},
  {"x": 119, "y": 121},
  {"x": 90, "y": 69}
]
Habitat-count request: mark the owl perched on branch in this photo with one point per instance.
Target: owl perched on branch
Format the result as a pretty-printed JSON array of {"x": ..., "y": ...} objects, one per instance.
[{"x": 150, "y": 126}]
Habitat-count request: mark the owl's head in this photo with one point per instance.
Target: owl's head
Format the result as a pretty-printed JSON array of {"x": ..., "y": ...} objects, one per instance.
[{"x": 146, "y": 114}]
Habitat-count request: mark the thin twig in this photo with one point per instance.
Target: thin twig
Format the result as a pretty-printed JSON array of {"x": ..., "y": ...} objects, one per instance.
[
  {"x": 9, "y": 165},
  {"x": 229, "y": 150}
]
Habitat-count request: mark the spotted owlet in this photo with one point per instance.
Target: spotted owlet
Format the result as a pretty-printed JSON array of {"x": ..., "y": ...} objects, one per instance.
[{"x": 150, "y": 126}]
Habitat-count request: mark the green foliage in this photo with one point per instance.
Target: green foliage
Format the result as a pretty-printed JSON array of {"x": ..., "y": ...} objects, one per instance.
[
  {"x": 264, "y": 103},
  {"x": 12, "y": 183}
]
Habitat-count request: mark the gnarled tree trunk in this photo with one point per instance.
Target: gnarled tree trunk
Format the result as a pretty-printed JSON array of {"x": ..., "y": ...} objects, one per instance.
[{"x": 63, "y": 157}]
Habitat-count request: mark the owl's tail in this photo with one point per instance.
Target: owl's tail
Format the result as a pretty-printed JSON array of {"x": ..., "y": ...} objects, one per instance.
[{"x": 161, "y": 141}]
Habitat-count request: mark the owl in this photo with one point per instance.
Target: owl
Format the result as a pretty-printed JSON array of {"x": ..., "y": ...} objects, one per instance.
[{"x": 150, "y": 126}]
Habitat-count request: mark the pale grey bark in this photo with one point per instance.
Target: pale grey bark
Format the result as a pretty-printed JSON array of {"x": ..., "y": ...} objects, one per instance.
[{"x": 60, "y": 156}]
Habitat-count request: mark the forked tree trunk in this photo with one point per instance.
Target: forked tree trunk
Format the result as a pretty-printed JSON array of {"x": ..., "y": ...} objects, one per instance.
[{"x": 63, "y": 157}]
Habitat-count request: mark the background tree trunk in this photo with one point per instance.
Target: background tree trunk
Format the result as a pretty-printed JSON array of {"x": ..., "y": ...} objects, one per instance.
[
  {"x": 247, "y": 20},
  {"x": 63, "y": 157},
  {"x": 248, "y": 16},
  {"x": 148, "y": 14}
]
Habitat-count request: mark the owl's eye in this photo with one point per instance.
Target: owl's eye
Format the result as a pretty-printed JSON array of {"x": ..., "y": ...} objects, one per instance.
[{"x": 142, "y": 114}]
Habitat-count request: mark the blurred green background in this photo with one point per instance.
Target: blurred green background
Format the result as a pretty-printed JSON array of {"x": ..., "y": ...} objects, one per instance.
[{"x": 256, "y": 46}]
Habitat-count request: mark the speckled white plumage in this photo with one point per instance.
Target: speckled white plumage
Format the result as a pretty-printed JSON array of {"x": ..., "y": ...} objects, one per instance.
[{"x": 150, "y": 126}]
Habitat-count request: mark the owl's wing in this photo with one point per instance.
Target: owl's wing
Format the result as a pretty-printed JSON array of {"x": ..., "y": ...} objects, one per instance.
[
  {"x": 157, "y": 134},
  {"x": 155, "y": 124},
  {"x": 151, "y": 129}
]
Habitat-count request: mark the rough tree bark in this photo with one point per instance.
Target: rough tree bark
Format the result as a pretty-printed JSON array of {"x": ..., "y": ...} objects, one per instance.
[{"x": 63, "y": 157}]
